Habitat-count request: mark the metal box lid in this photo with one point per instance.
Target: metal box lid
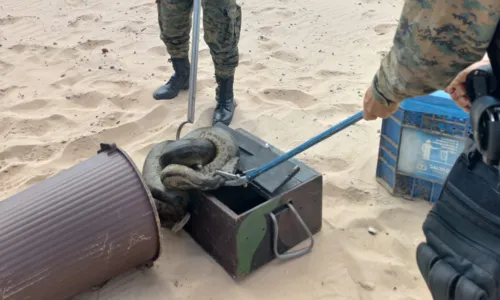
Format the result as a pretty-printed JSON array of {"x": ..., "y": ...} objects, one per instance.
[{"x": 254, "y": 154}]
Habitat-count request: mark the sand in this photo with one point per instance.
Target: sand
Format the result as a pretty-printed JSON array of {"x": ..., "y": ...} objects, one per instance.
[{"x": 304, "y": 67}]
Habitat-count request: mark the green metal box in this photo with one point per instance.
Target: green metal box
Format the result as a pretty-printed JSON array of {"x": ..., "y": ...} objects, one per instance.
[{"x": 243, "y": 228}]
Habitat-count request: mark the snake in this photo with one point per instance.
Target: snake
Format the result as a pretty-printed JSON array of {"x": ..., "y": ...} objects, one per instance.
[
  {"x": 172, "y": 204},
  {"x": 174, "y": 167},
  {"x": 182, "y": 177}
]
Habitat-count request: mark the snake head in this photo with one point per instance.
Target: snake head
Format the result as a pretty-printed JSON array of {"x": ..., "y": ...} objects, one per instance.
[{"x": 180, "y": 177}]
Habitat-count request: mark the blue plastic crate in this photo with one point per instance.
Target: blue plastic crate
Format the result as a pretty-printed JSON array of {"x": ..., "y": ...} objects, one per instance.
[{"x": 419, "y": 144}]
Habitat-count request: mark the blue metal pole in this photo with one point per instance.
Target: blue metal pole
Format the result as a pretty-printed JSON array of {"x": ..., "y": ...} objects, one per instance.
[{"x": 320, "y": 137}]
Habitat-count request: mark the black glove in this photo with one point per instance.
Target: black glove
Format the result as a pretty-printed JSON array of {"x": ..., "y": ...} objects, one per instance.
[{"x": 461, "y": 257}]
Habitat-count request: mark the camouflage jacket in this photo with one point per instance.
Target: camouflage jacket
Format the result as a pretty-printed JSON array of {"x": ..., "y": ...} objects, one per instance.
[{"x": 434, "y": 41}]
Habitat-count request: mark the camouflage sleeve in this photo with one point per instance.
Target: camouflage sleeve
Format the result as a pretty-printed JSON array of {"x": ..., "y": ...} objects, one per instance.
[{"x": 434, "y": 41}]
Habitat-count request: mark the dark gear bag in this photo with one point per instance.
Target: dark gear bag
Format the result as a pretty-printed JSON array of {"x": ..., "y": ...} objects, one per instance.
[{"x": 461, "y": 257}]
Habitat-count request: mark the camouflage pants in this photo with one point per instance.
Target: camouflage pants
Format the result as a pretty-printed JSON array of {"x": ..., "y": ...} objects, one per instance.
[{"x": 221, "y": 24}]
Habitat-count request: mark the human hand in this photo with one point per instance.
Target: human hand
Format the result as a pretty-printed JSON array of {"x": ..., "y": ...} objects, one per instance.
[
  {"x": 457, "y": 89},
  {"x": 372, "y": 109}
]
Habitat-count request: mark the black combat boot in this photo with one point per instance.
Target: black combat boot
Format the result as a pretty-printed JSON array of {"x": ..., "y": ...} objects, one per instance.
[
  {"x": 224, "y": 96},
  {"x": 178, "y": 81}
]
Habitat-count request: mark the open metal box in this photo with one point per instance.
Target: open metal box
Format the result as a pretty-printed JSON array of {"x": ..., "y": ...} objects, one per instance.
[{"x": 243, "y": 228}]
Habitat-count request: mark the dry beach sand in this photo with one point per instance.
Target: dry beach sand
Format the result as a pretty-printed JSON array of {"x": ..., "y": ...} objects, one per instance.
[{"x": 304, "y": 67}]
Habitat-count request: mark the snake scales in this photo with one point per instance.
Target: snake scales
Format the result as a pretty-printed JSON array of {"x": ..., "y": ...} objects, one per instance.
[{"x": 174, "y": 168}]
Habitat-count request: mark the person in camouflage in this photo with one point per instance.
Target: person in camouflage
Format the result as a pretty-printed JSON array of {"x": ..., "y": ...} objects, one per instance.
[
  {"x": 222, "y": 25},
  {"x": 434, "y": 42}
]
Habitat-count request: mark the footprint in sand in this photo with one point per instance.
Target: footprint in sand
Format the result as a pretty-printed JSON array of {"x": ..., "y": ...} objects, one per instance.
[
  {"x": 286, "y": 56},
  {"x": 158, "y": 50},
  {"x": 10, "y": 91},
  {"x": 82, "y": 19},
  {"x": 66, "y": 81},
  {"x": 75, "y": 2},
  {"x": 93, "y": 44},
  {"x": 258, "y": 66},
  {"x": 334, "y": 164},
  {"x": 395, "y": 216},
  {"x": 126, "y": 100},
  {"x": 21, "y": 48},
  {"x": 336, "y": 108},
  {"x": 262, "y": 10},
  {"x": 48, "y": 53},
  {"x": 5, "y": 67},
  {"x": 12, "y": 177},
  {"x": 268, "y": 45},
  {"x": 286, "y": 13},
  {"x": 123, "y": 86},
  {"x": 351, "y": 194},
  {"x": 39, "y": 127},
  {"x": 143, "y": 8},
  {"x": 370, "y": 13},
  {"x": 309, "y": 80},
  {"x": 364, "y": 223},
  {"x": 135, "y": 129},
  {"x": 29, "y": 153},
  {"x": 334, "y": 73},
  {"x": 92, "y": 99},
  {"x": 59, "y": 54},
  {"x": 79, "y": 149},
  {"x": 110, "y": 119},
  {"x": 30, "y": 105},
  {"x": 10, "y": 20},
  {"x": 299, "y": 98},
  {"x": 131, "y": 29},
  {"x": 34, "y": 59},
  {"x": 382, "y": 29},
  {"x": 266, "y": 29}
]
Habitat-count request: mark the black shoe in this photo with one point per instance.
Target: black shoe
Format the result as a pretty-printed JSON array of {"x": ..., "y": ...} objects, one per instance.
[
  {"x": 224, "y": 110},
  {"x": 178, "y": 81}
]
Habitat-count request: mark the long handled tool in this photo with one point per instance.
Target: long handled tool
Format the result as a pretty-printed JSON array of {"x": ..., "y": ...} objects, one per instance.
[
  {"x": 237, "y": 180},
  {"x": 192, "y": 88},
  {"x": 194, "y": 66}
]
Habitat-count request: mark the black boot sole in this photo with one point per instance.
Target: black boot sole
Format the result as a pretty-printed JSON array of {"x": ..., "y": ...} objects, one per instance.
[
  {"x": 228, "y": 121},
  {"x": 171, "y": 97}
]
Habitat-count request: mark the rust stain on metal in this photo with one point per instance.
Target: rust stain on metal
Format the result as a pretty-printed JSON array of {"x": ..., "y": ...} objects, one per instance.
[{"x": 77, "y": 229}]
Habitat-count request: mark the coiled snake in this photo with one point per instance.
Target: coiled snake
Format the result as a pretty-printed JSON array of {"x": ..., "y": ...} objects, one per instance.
[{"x": 173, "y": 168}]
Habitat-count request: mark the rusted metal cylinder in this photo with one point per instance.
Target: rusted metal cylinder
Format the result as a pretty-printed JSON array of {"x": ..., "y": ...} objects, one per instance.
[{"x": 77, "y": 229}]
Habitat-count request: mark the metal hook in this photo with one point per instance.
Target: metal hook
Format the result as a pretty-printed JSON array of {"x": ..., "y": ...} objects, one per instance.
[{"x": 178, "y": 134}]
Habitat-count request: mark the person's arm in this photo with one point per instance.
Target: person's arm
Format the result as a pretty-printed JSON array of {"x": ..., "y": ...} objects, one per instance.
[{"x": 432, "y": 44}]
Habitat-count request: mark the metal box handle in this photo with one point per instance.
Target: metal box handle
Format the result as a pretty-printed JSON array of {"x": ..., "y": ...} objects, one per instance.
[{"x": 296, "y": 253}]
